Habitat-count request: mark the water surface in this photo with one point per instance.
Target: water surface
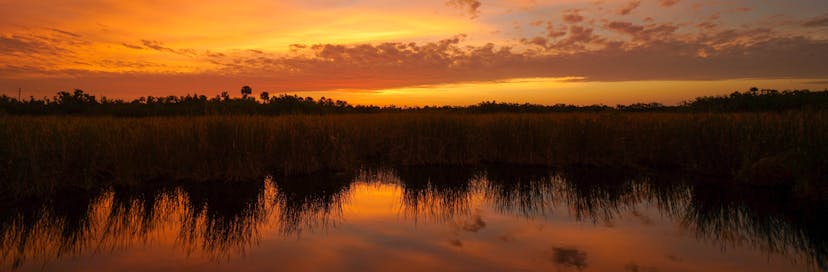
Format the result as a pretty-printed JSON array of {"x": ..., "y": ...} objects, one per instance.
[{"x": 421, "y": 219}]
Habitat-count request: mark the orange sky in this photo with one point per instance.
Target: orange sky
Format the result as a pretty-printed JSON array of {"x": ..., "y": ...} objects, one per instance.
[{"x": 415, "y": 52}]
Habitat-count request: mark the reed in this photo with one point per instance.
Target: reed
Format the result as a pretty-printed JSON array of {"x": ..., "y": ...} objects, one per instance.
[{"x": 44, "y": 153}]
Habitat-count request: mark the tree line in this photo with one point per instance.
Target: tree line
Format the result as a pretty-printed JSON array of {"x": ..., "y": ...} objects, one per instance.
[{"x": 82, "y": 103}]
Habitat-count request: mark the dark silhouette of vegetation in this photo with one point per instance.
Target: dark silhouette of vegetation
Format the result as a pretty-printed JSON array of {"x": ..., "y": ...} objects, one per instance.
[
  {"x": 80, "y": 103},
  {"x": 756, "y": 100},
  {"x": 786, "y": 150},
  {"x": 246, "y": 91}
]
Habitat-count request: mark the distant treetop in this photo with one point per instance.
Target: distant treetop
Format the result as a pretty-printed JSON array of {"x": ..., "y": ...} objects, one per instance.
[{"x": 80, "y": 103}]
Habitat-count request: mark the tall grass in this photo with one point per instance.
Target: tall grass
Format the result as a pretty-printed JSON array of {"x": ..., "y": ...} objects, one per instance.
[{"x": 42, "y": 153}]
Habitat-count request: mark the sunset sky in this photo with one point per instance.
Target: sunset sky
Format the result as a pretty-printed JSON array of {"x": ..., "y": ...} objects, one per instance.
[{"x": 429, "y": 52}]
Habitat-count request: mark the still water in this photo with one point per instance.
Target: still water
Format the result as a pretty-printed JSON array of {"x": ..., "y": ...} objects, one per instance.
[{"x": 421, "y": 219}]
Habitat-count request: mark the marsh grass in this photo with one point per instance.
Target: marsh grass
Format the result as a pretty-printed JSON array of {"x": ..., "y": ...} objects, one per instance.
[{"x": 44, "y": 153}]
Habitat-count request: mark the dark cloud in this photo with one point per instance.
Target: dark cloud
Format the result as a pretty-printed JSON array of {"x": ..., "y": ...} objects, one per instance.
[
  {"x": 129, "y": 64},
  {"x": 573, "y": 17},
  {"x": 156, "y": 45},
  {"x": 553, "y": 32},
  {"x": 159, "y": 46},
  {"x": 818, "y": 82},
  {"x": 470, "y": 6},
  {"x": 651, "y": 52},
  {"x": 668, "y": 3},
  {"x": 131, "y": 46},
  {"x": 633, "y": 267},
  {"x": 569, "y": 257},
  {"x": 65, "y": 32},
  {"x": 821, "y": 21},
  {"x": 29, "y": 44},
  {"x": 707, "y": 25},
  {"x": 577, "y": 38},
  {"x": 629, "y": 7},
  {"x": 643, "y": 32},
  {"x": 474, "y": 225},
  {"x": 656, "y": 54},
  {"x": 537, "y": 41},
  {"x": 625, "y": 27},
  {"x": 214, "y": 54}
]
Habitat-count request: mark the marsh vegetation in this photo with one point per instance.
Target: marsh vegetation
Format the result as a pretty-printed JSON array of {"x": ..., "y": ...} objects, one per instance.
[
  {"x": 746, "y": 171},
  {"x": 42, "y": 153}
]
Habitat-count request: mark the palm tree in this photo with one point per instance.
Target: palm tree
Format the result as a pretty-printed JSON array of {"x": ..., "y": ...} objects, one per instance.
[{"x": 246, "y": 91}]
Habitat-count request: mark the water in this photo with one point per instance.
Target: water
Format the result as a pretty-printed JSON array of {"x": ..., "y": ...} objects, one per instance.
[{"x": 421, "y": 219}]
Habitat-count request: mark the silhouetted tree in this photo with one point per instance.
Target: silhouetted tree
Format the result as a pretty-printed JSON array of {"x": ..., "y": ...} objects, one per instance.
[
  {"x": 246, "y": 91},
  {"x": 78, "y": 102}
]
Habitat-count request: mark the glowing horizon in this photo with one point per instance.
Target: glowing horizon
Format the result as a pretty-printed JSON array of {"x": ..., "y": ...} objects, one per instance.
[{"x": 454, "y": 52}]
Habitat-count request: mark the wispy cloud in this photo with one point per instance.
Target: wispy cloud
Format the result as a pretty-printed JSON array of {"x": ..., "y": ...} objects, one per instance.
[
  {"x": 629, "y": 7},
  {"x": 159, "y": 46},
  {"x": 470, "y": 6},
  {"x": 572, "y": 16},
  {"x": 821, "y": 21},
  {"x": 132, "y": 46},
  {"x": 668, "y": 3},
  {"x": 64, "y": 32}
]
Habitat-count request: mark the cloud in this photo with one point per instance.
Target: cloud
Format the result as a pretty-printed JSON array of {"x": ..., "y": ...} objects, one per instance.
[
  {"x": 625, "y": 27},
  {"x": 821, "y": 21},
  {"x": 643, "y": 33},
  {"x": 668, "y": 3},
  {"x": 131, "y": 46},
  {"x": 65, "y": 32},
  {"x": 30, "y": 44},
  {"x": 156, "y": 45},
  {"x": 629, "y": 7},
  {"x": 475, "y": 225},
  {"x": 634, "y": 267},
  {"x": 646, "y": 52},
  {"x": 818, "y": 82},
  {"x": 655, "y": 50},
  {"x": 577, "y": 39},
  {"x": 553, "y": 32},
  {"x": 610, "y": 49},
  {"x": 159, "y": 46},
  {"x": 569, "y": 257},
  {"x": 471, "y": 6},
  {"x": 572, "y": 17}
]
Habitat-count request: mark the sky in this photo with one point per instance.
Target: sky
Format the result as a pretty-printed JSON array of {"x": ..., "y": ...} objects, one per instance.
[{"x": 413, "y": 53}]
